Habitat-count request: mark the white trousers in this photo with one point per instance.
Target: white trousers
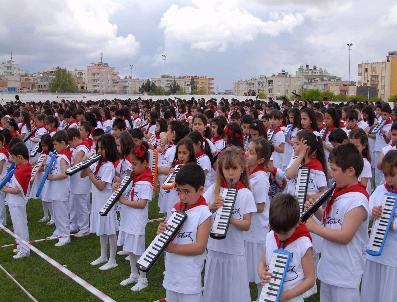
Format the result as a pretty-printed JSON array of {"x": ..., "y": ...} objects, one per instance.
[
  {"x": 20, "y": 225},
  {"x": 178, "y": 297},
  {"x": 331, "y": 293},
  {"x": 3, "y": 212},
  {"x": 61, "y": 218},
  {"x": 79, "y": 212}
]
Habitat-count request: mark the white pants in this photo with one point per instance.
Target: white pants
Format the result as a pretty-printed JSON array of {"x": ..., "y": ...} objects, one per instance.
[
  {"x": 61, "y": 218},
  {"x": 178, "y": 297},
  {"x": 3, "y": 212},
  {"x": 330, "y": 293},
  {"x": 20, "y": 225},
  {"x": 79, "y": 212}
]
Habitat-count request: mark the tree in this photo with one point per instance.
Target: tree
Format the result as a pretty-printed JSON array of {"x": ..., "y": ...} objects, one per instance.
[
  {"x": 193, "y": 85},
  {"x": 340, "y": 98},
  {"x": 174, "y": 87},
  {"x": 393, "y": 98},
  {"x": 327, "y": 95},
  {"x": 311, "y": 95},
  {"x": 262, "y": 95},
  {"x": 357, "y": 98},
  {"x": 63, "y": 81}
]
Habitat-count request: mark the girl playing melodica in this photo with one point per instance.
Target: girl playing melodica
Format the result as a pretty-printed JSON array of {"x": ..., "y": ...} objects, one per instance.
[
  {"x": 258, "y": 156},
  {"x": 226, "y": 277},
  {"x": 203, "y": 158},
  {"x": 124, "y": 147},
  {"x": 359, "y": 138},
  {"x": 101, "y": 175},
  {"x": 46, "y": 146},
  {"x": 176, "y": 131},
  {"x": 380, "y": 272},
  {"x": 134, "y": 214},
  {"x": 295, "y": 124}
]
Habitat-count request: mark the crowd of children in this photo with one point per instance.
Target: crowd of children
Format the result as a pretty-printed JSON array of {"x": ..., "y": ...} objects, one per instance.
[{"x": 253, "y": 146}]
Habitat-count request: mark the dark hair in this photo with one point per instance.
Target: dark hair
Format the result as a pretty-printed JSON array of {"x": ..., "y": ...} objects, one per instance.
[
  {"x": 204, "y": 119},
  {"x": 235, "y": 115},
  {"x": 98, "y": 132},
  {"x": 192, "y": 175},
  {"x": 337, "y": 136},
  {"x": 385, "y": 107},
  {"x": 221, "y": 122},
  {"x": 141, "y": 152},
  {"x": 90, "y": 118},
  {"x": 371, "y": 115},
  {"x": 60, "y": 136},
  {"x": 393, "y": 126},
  {"x": 188, "y": 143},
  {"x": 46, "y": 139},
  {"x": 119, "y": 123},
  {"x": 26, "y": 119},
  {"x": 136, "y": 133},
  {"x": 334, "y": 116},
  {"x": 20, "y": 149},
  {"x": 360, "y": 134},
  {"x": 109, "y": 145},
  {"x": 234, "y": 135},
  {"x": 87, "y": 126},
  {"x": 2, "y": 139},
  {"x": 13, "y": 124},
  {"x": 163, "y": 124},
  {"x": 297, "y": 117},
  {"x": 7, "y": 135},
  {"x": 73, "y": 133},
  {"x": 276, "y": 114},
  {"x": 197, "y": 138},
  {"x": 283, "y": 213},
  {"x": 389, "y": 163},
  {"x": 351, "y": 115},
  {"x": 258, "y": 126},
  {"x": 312, "y": 116},
  {"x": 180, "y": 130},
  {"x": 52, "y": 120},
  {"x": 246, "y": 119},
  {"x": 346, "y": 156},
  {"x": 126, "y": 143},
  {"x": 263, "y": 149}
]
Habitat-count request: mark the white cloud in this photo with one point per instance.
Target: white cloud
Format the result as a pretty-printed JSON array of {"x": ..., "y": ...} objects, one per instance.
[
  {"x": 69, "y": 26},
  {"x": 210, "y": 25},
  {"x": 390, "y": 19}
]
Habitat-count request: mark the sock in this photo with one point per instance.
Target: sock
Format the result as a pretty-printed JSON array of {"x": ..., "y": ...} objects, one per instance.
[
  {"x": 104, "y": 245},
  {"x": 133, "y": 260},
  {"x": 259, "y": 288},
  {"x": 112, "y": 248}
]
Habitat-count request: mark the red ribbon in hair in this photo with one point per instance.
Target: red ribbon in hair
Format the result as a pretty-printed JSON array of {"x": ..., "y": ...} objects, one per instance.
[
  {"x": 140, "y": 150},
  {"x": 300, "y": 231}
]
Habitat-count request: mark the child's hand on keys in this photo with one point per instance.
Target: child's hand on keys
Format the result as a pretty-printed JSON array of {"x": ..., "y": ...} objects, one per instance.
[
  {"x": 161, "y": 228},
  {"x": 217, "y": 204},
  {"x": 265, "y": 275},
  {"x": 115, "y": 185},
  {"x": 377, "y": 212},
  {"x": 309, "y": 202}
]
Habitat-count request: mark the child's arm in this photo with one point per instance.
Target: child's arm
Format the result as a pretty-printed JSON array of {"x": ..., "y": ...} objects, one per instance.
[
  {"x": 279, "y": 148},
  {"x": 79, "y": 157},
  {"x": 99, "y": 184},
  {"x": 351, "y": 223},
  {"x": 294, "y": 167},
  {"x": 263, "y": 270},
  {"x": 308, "y": 282},
  {"x": 1, "y": 165},
  {"x": 140, "y": 204},
  {"x": 380, "y": 159},
  {"x": 260, "y": 207},
  {"x": 14, "y": 190},
  {"x": 244, "y": 224},
  {"x": 61, "y": 175},
  {"x": 196, "y": 248},
  {"x": 163, "y": 170}
]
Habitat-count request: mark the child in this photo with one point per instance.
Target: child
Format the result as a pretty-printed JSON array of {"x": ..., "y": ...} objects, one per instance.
[
  {"x": 186, "y": 253},
  {"x": 287, "y": 233},
  {"x": 278, "y": 138},
  {"x": 351, "y": 121},
  {"x": 308, "y": 120},
  {"x": 359, "y": 138},
  {"x": 338, "y": 137},
  {"x": 85, "y": 129},
  {"x": 124, "y": 145},
  {"x": 57, "y": 192},
  {"x": 16, "y": 196},
  {"x": 344, "y": 230},
  {"x": 331, "y": 121},
  {"x": 134, "y": 215},
  {"x": 3, "y": 171},
  {"x": 217, "y": 126},
  {"x": 80, "y": 187},
  {"x": 51, "y": 124},
  {"x": 380, "y": 272},
  {"x": 118, "y": 126},
  {"x": 226, "y": 276},
  {"x": 234, "y": 135},
  {"x": 391, "y": 146},
  {"x": 203, "y": 158},
  {"x": 200, "y": 123},
  {"x": 101, "y": 175},
  {"x": 245, "y": 126},
  {"x": 258, "y": 157},
  {"x": 41, "y": 130},
  {"x": 256, "y": 130},
  {"x": 294, "y": 122}
]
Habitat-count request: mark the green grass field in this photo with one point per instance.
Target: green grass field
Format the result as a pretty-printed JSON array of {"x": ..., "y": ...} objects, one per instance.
[{"x": 46, "y": 283}]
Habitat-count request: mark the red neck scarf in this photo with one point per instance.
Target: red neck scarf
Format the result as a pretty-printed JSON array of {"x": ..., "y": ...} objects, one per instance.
[
  {"x": 355, "y": 127},
  {"x": 86, "y": 144},
  {"x": 331, "y": 128},
  {"x": 145, "y": 176},
  {"x": 99, "y": 165},
  {"x": 200, "y": 154},
  {"x": 14, "y": 133},
  {"x": 314, "y": 164},
  {"x": 217, "y": 138},
  {"x": 389, "y": 189},
  {"x": 5, "y": 151},
  {"x": 88, "y": 141},
  {"x": 358, "y": 187},
  {"x": 53, "y": 130},
  {"x": 67, "y": 153},
  {"x": 22, "y": 174},
  {"x": 278, "y": 129},
  {"x": 239, "y": 185},
  {"x": 257, "y": 168},
  {"x": 389, "y": 121},
  {"x": 180, "y": 206},
  {"x": 300, "y": 231}
]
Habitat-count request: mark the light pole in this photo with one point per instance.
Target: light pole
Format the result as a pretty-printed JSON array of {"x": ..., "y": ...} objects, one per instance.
[
  {"x": 131, "y": 66},
  {"x": 349, "y": 48}
]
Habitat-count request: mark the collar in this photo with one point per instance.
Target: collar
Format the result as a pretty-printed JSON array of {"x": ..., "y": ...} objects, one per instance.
[
  {"x": 200, "y": 154},
  {"x": 145, "y": 176},
  {"x": 257, "y": 168},
  {"x": 239, "y": 185},
  {"x": 180, "y": 206},
  {"x": 314, "y": 164},
  {"x": 300, "y": 231},
  {"x": 67, "y": 153}
]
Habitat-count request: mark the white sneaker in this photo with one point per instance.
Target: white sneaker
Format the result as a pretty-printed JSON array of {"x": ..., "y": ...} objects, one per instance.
[
  {"x": 44, "y": 219},
  {"x": 142, "y": 283},
  {"x": 63, "y": 241},
  {"x": 108, "y": 265},
  {"x": 122, "y": 253},
  {"x": 81, "y": 234},
  {"x": 51, "y": 222},
  {"x": 53, "y": 237},
  {"x": 99, "y": 261},
  {"x": 131, "y": 279},
  {"x": 15, "y": 251},
  {"x": 21, "y": 255},
  {"x": 127, "y": 258}
]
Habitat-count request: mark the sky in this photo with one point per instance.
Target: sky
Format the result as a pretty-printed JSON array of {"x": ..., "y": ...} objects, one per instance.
[{"x": 226, "y": 39}]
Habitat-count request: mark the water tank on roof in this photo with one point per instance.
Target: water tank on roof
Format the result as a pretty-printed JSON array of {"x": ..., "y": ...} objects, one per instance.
[{"x": 393, "y": 53}]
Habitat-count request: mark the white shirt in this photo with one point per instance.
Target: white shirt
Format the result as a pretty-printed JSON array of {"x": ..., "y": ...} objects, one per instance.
[
  {"x": 183, "y": 273},
  {"x": 106, "y": 173},
  {"x": 278, "y": 139},
  {"x": 366, "y": 173},
  {"x": 58, "y": 189},
  {"x": 388, "y": 256},
  {"x": 78, "y": 184},
  {"x": 204, "y": 162},
  {"x": 380, "y": 141},
  {"x": 342, "y": 265},
  {"x": 234, "y": 241}
]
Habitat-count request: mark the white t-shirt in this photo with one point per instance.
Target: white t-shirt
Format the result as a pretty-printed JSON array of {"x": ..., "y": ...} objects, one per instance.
[
  {"x": 295, "y": 274},
  {"x": 106, "y": 173},
  {"x": 58, "y": 189},
  {"x": 123, "y": 168},
  {"x": 15, "y": 199},
  {"x": 133, "y": 221},
  {"x": 388, "y": 256},
  {"x": 317, "y": 180},
  {"x": 388, "y": 148},
  {"x": 107, "y": 126},
  {"x": 3, "y": 158},
  {"x": 366, "y": 173},
  {"x": 259, "y": 183},
  {"x": 183, "y": 273},
  {"x": 362, "y": 124},
  {"x": 234, "y": 241},
  {"x": 204, "y": 162},
  {"x": 38, "y": 134},
  {"x": 278, "y": 139},
  {"x": 219, "y": 145},
  {"x": 78, "y": 184},
  {"x": 342, "y": 265},
  {"x": 379, "y": 140},
  {"x": 288, "y": 150}
]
